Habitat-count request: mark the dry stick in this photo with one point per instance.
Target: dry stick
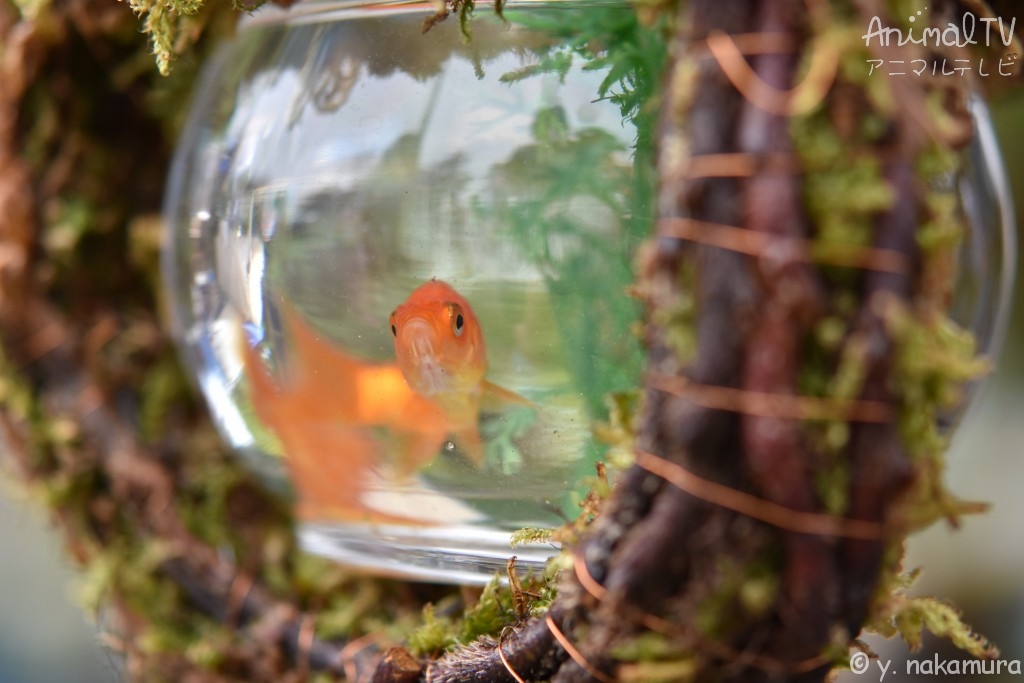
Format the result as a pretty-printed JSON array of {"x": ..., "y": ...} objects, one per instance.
[
  {"x": 776, "y": 455},
  {"x": 747, "y": 402},
  {"x": 529, "y": 652}
]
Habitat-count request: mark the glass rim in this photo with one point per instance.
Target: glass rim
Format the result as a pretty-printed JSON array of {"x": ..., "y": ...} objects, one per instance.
[
  {"x": 995, "y": 170},
  {"x": 309, "y": 11}
]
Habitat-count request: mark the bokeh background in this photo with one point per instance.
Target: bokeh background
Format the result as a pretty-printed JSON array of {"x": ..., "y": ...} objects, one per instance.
[{"x": 45, "y": 638}]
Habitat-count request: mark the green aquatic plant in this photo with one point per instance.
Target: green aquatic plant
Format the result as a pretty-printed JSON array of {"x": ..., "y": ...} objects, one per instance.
[{"x": 586, "y": 214}]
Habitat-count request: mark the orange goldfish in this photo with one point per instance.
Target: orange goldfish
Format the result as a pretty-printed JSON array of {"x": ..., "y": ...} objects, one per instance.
[
  {"x": 324, "y": 412},
  {"x": 440, "y": 350}
]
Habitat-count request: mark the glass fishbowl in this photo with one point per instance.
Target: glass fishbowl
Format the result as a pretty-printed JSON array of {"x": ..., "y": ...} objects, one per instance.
[{"x": 399, "y": 265}]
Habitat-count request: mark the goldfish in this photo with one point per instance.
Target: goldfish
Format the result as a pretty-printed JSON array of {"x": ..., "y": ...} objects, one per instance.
[
  {"x": 328, "y": 407},
  {"x": 439, "y": 346}
]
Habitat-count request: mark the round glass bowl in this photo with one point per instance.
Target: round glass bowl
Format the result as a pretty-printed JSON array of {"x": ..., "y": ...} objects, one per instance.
[
  {"x": 986, "y": 260},
  {"x": 340, "y": 165},
  {"x": 398, "y": 264}
]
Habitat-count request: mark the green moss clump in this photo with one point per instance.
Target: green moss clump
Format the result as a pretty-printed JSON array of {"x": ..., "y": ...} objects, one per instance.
[
  {"x": 171, "y": 24},
  {"x": 434, "y": 635},
  {"x": 531, "y": 535},
  {"x": 491, "y": 613},
  {"x": 917, "y": 615},
  {"x": 742, "y": 593},
  {"x": 897, "y": 613}
]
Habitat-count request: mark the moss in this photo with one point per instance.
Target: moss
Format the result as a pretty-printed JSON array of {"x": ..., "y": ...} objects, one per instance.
[
  {"x": 679, "y": 321},
  {"x": 911, "y": 616},
  {"x": 919, "y": 614},
  {"x": 743, "y": 592},
  {"x": 129, "y": 570},
  {"x": 676, "y": 671},
  {"x": 434, "y": 636},
  {"x": 645, "y": 647},
  {"x": 934, "y": 359},
  {"x": 171, "y": 25},
  {"x": 162, "y": 390},
  {"x": 618, "y": 433},
  {"x": 531, "y": 535},
  {"x": 492, "y": 612}
]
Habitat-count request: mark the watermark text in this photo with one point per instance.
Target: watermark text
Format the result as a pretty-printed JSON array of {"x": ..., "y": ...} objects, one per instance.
[{"x": 862, "y": 664}]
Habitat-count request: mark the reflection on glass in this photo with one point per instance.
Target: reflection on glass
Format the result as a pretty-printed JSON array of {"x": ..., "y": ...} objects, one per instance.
[
  {"x": 333, "y": 168},
  {"x": 986, "y": 258}
]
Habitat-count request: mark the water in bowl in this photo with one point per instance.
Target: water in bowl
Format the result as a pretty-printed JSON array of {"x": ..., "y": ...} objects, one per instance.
[{"x": 337, "y": 160}]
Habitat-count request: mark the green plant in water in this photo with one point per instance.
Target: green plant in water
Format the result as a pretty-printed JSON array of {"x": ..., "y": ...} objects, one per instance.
[{"x": 587, "y": 213}]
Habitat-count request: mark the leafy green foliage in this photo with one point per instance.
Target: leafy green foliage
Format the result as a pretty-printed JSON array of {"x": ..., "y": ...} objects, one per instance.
[
  {"x": 572, "y": 225},
  {"x": 492, "y": 612},
  {"x": 919, "y": 614},
  {"x": 531, "y": 535}
]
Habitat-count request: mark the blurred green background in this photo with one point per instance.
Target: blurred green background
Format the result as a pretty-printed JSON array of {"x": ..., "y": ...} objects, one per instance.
[{"x": 44, "y": 638}]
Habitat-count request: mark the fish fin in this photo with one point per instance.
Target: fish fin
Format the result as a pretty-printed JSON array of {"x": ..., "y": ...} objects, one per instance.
[
  {"x": 415, "y": 450},
  {"x": 315, "y": 356},
  {"x": 472, "y": 446},
  {"x": 494, "y": 399},
  {"x": 263, "y": 390}
]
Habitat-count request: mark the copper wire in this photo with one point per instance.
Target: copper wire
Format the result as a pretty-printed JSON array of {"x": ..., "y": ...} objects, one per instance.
[
  {"x": 504, "y": 661},
  {"x": 576, "y": 655},
  {"x": 737, "y": 164},
  {"x": 763, "y": 245},
  {"x": 757, "y": 508},
  {"x": 586, "y": 579},
  {"x": 797, "y": 100},
  {"x": 781, "y": 406},
  {"x": 754, "y": 44}
]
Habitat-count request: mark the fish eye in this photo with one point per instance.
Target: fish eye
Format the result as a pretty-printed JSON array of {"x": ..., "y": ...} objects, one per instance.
[
  {"x": 394, "y": 329},
  {"x": 458, "y": 322}
]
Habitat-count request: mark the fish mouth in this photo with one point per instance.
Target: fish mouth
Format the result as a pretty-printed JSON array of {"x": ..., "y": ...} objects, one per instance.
[{"x": 422, "y": 367}]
